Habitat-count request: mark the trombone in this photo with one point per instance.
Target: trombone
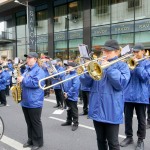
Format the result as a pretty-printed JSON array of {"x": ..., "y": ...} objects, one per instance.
[
  {"x": 133, "y": 63},
  {"x": 63, "y": 72},
  {"x": 94, "y": 69}
]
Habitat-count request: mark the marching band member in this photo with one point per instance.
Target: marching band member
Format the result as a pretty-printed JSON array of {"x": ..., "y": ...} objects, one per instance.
[
  {"x": 85, "y": 96},
  {"x": 58, "y": 88},
  {"x": 32, "y": 101},
  {"x": 148, "y": 107},
  {"x": 148, "y": 117},
  {"x": 71, "y": 93},
  {"x": 45, "y": 66},
  {"x": 2, "y": 88},
  {"x": 137, "y": 97},
  {"x": 84, "y": 91},
  {"x": 106, "y": 101},
  {"x": 11, "y": 69},
  {"x": 8, "y": 78}
]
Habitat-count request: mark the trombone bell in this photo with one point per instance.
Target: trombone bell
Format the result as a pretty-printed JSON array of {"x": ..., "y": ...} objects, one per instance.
[{"x": 95, "y": 70}]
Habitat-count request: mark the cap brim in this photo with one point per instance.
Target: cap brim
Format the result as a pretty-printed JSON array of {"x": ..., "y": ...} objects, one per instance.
[
  {"x": 66, "y": 64},
  {"x": 108, "y": 48},
  {"x": 25, "y": 55},
  {"x": 136, "y": 50},
  {"x": 29, "y": 56}
]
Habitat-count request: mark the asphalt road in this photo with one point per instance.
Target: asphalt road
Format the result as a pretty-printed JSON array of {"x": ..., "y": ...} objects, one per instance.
[{"x": 56, "y": 137}]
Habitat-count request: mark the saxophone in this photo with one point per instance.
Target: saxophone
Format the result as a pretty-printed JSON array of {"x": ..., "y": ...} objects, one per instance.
[{"x": 16, "y": 89}]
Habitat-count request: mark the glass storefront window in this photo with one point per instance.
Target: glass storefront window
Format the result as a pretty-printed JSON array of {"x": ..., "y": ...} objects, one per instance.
[
  {"x": 143, "y": 37},
  {"x": 100, "y": 12},
  {"x": 21, "y": 27},
  {"x": 21, "y": 36},
  {"x": 68, "y": 29},
  {"x": 75, "y": 15},
  {"x": 73, "y": 48},
  {"x": 42, "y": 31},
  {"x": 60, "y": 15},
  {"x": 120, "y": 12},
  {"x": 21, "y": 50},
  {"x": 42, "y": 48},
  {"x": 141, "y": 9},
  {"x": 61, "y": 50},
  {"x": 124, "y": 39},
  {"x": 142, "y": 31},
  {"x": 42, "y": 22}
]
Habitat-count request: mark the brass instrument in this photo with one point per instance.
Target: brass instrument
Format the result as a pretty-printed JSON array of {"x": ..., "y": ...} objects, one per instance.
[
  {"x": 133, "y": 64},
  {"x": 51, "y": 69},
  {"x": 93, "y": 68},
  {"x": 16, "y": 89}
]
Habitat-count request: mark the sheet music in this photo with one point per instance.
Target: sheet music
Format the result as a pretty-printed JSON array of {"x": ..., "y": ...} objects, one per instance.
[
  {"x": 125, "y": 50},
  {"x": 16, "y": 61},
  {"x": 65, "y": 61},
  {"x": 83, "y": 50}
]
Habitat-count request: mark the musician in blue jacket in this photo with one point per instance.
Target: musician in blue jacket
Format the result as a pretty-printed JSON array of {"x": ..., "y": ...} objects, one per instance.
[
  {"x": 85, "y": 96},
  {"x": 2, "y": 88},
  {"x": 45, "y": 67},
  {"x": 106, "y": 101},
  {"x": 71, "y": 93},
  {"x": 148, "y": 108},
  {"x": 8, "y": 78},
  {"x": 58, "y": 88},
  {"x": 137, "y": 97},
  {"x": 32, "y": 101}
]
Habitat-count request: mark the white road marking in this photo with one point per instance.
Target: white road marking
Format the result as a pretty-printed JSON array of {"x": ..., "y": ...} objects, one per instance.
[
  {"x": 12, "y": 143},
  {"x": 80, "y": 125},
  {"x": 58, "y": 112},
  {"x": 54, "y": 101}
]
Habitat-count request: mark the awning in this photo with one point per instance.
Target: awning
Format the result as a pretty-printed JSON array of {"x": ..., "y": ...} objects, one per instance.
[{"x": 6, "y": 41}]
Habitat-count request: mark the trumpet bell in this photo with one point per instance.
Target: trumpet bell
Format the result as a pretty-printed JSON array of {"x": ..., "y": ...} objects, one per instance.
[
  {"x": 95, "y": 70},
  {"x": 80, "y": 70},
  {"x": 131, "y": 63}
]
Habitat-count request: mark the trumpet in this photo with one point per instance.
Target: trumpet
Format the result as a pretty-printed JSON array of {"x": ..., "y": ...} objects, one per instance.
[
  {"x": 93, "y": 68},
  {"x": 133, "y": 63}
]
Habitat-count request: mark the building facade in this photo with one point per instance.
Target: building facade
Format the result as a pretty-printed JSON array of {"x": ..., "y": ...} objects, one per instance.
[{"x": 61, "y": 25}]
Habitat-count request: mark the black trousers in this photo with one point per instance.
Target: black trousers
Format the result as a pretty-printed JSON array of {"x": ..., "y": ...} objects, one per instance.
[
  {"x": 7, "y": 90},
  {"x": 47, "y": 91},
  {"x": 85, "y": 96},
  {"x": 72, "y": 112},
  {"x": 141, "y": 117},
  {"x": 148, "y": 113},
  {"x": 59, "y": 97},
  {"x": 80, "y": 95},
  {"x": 3, "y": 97},
  {"x": 34, "y": 125},
  {"x": 11, "y": 82},
  {"x": 107, "y": 135}
]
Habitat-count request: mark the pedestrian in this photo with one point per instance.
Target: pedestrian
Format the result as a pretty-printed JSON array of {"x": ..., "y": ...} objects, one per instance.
[
  {"x": 32, "y": 101},
  {"x": 137, "y": 97},
  {"x": 106, "y": 101}
]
